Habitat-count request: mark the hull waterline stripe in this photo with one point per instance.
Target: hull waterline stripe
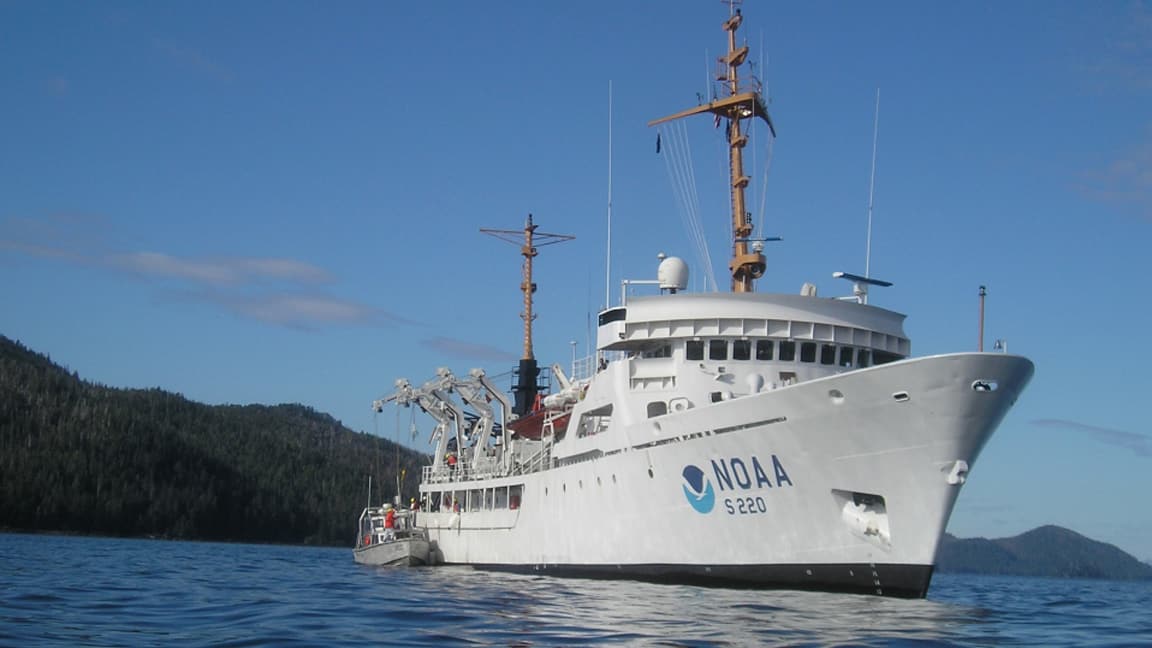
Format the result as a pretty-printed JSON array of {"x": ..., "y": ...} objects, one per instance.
[{"x": 880, "y": 579}]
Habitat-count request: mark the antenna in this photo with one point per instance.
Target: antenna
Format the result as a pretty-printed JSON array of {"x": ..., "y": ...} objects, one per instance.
[
  {"x": 608, "y": 264},
  {"x": 872, "y": 187},
  {"x": 860, "y": 283}
]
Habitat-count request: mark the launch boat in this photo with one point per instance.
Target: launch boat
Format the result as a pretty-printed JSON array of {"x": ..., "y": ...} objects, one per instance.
[
  {"x": 737, "y": 438},
  {"x": 403, "y": 545}
]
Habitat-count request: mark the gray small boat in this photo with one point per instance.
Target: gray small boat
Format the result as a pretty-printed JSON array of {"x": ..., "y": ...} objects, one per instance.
[{"x": 406, "y": 545}]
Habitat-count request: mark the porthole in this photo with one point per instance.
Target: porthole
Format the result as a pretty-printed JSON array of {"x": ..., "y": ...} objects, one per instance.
[
  {"x": 836, "y": 395},
  {"x": 901, "y": 396}
]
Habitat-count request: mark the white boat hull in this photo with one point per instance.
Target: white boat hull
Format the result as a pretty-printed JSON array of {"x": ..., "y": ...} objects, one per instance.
[
  {"x": 405, "y": 552},
  {"x": 839, "y": 483}
]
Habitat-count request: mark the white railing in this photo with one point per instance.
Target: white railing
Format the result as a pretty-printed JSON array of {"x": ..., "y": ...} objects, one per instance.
[{"x": 583, "y": 368}]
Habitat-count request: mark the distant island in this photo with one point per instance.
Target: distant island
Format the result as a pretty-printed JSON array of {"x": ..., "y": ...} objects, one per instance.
[
  {"x": 78, "y": 457},
  {"x": 1047, "y": 551}
]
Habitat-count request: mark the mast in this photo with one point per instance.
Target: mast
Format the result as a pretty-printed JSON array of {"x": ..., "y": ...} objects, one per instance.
[
  {"x": 740, "y": 103},
  {"x": 525, "y": 389}
]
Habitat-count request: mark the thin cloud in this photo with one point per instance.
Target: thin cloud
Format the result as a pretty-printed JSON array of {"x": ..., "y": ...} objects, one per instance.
[
  {"x": 289, "y": 269},
  {"x": 1126, "y": 182},
  {"x": 65, "y": 236},
  {"x": 155, "y": 264},
  {"x": 63, "y": 228},
  {"x": 218, "y": 271},
  {"x": 1126, "y": 63},
  {"x": 58, "y": 86},
  {"x": 1135, "y": 47},
  {"x": 274, "y": 290},
  {"x": 1141, "y": 444},
  {"x": 302, "y": 311},
  {"x": 453, "y": 346},
  {"x": 44, "y": 251},
  {"x": 986, "y": 508},
  {"x": 193, "y": 59}
]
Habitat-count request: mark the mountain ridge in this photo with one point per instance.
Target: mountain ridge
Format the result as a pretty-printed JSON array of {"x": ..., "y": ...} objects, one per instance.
[
  {"x": 1048, "y": 551},
  {"x": 80, "y": 457}
]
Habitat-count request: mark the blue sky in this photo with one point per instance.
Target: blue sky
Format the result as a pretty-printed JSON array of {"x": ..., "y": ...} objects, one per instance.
[{"x": 280, "y": 202}]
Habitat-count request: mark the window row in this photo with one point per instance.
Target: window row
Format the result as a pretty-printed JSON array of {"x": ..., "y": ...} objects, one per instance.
[
  {"x": 480, "y": 499},
  {"x": 786, "y": 351}
]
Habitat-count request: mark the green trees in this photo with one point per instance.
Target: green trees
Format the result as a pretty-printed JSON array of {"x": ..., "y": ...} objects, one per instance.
[{"x": 84, "y": 458}]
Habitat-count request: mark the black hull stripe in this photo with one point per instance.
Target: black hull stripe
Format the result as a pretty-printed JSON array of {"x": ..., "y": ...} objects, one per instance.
[{"x": 883, "y": 579}]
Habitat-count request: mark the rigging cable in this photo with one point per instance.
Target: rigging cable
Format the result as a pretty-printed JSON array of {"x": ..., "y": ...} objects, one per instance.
[
  {"x": 678, "y": 163},
  {"x": 703, "y": 253},
  {"x": 764, "y": 183}
]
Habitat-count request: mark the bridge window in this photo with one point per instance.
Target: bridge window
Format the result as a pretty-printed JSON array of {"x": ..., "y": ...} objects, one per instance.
[
  {"x": 764, "y": 349},
  {"x": 694, "y": 350},
  {"x": 884, "y": 357},
  {"x": 846, "y": 354},
  {"x": 807, "y": 352},
  {"x": 717, "y": 349},
  {"x": 662, "y": 351},
  {"x": 741, "y": 349},
  {"x": 594, "y": 421},
  {"x": 828, "y": 354},
  {"x": 787, "y": 350},
  {"x": 864, "y": 358}
]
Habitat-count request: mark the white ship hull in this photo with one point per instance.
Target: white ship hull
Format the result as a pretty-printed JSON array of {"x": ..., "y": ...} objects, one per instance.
[{"x": 838, "y": 483}]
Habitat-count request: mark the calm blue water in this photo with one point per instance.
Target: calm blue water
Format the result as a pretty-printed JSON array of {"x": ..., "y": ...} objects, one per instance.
[{"x": 99, "y": 591}]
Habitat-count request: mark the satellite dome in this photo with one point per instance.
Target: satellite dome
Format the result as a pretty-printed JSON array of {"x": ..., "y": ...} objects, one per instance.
[{"x": 672, "y": 274}]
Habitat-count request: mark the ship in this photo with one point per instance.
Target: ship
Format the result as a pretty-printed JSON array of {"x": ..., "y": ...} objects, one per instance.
[{"x": 717, "y": 438}]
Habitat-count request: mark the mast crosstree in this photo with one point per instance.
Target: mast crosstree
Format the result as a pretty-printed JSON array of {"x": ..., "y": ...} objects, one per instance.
[
  {"x": 740, "y": 103},
  {"x": 525, "y": 388}
]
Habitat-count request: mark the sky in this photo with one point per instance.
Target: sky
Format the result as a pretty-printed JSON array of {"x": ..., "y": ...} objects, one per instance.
[{"x": 269, "y": 202}]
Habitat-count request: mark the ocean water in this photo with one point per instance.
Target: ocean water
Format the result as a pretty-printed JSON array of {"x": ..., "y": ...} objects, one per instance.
[{"x": 75, "y": 591}]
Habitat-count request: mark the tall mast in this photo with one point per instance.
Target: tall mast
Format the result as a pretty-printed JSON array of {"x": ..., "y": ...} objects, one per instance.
[
  {"x": 739, "y": 104},
  {"x": 525, "y": 389}
]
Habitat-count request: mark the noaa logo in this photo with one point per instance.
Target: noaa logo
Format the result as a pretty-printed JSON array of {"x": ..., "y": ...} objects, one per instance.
[
  {"x": 742, "y": 484},
  {"x": 698, "y": 489}
]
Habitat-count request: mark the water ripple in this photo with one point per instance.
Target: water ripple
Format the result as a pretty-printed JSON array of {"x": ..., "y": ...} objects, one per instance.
[{"x": 112, "y": 592}]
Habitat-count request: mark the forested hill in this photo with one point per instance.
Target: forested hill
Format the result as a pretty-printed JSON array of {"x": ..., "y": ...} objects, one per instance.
[
  {"x": 1049, "y": 551},
  {"x": 84, "y": 458}
]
